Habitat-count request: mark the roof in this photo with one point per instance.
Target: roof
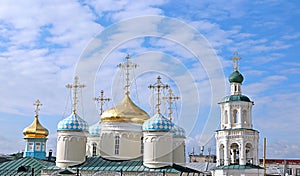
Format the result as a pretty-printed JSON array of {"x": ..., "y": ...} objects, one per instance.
[
  {"x": 98, "y": 163},
  {"x": 236, "y": 77},
  {"x": 94, "y": 130},
  {"x": 236, "y": 98},
  {"x": 178, "y": 131},
  {"x": 72, "y": 123},
  {"x": 237, "y": 166},
  {"x": 35, "y": 130},
  {"x": 24, "y": 166},
  {"x": 158, "y": 123}
]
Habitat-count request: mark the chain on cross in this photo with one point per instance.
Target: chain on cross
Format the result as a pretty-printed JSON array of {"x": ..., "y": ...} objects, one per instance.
[
  {"x": 158, "y": 86},
  {"x": 170, "y": 99},
  {"x": 101, "y": 100},
  {"x": 37, "y": 109},
  {"x": 75, "y": 86},
  {"x": 236, "y": 60},
  {"x": 127, "y": 65}
]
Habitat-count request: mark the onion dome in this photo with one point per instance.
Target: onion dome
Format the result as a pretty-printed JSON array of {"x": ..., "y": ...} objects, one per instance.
[
  {"x": 125, "y": 111},
  {"x": 158, "y": 123},
  {"x": 72, "y": 123},
  {"x": 178, "y": 131},
  {"x": 236, "y": 77},
  {"x": 35, "y": 130},
  {"x": 236, "y": 98},
  {"x": 94, "y": 130}
]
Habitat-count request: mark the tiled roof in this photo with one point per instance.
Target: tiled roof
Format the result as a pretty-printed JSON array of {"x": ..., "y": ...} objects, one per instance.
[
  {"x": 24, "y": 166},
  {"x": 98, "y": 163},
  {"x": 72, "y": 123},
  {"x": 178, "y": 131},
  {"x": 237, "y": 166},
  {"x": 158, "y": 123}
]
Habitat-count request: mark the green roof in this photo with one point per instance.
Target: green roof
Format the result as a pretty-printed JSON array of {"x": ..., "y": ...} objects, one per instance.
[
  {"x": 235, "y": 98},
  {"x": 236, "y": 77},
  {"x": 23, "y": 166},
  {"x": 237, "y": 166},
  {"x": 98, "y": 163}
]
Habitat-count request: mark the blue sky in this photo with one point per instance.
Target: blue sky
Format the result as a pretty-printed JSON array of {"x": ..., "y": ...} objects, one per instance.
[{"x": 43, "y": 44}]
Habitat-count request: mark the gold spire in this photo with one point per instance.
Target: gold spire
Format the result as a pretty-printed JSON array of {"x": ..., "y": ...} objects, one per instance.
[
  {"x": 101, "y": 100},
  {"x": 127, "y": 65},
  {"x": 36, "y": 130},
  {"x": 75, "y": 86},
  {"x": 236, "y": 60},
  {"x": 170, "y": 99},
  {"x": 158, "y": 86}
]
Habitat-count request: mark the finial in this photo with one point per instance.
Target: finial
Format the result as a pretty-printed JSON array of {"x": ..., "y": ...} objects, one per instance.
[
  {"x": 101, "y": 100},
  {"x": 37, "y": 104},
  {"x": 75, "y": 86},
  {"x": 236, "y": 60},
  {"x": 158, "y": 86},
  {"x": 127, "y": 65},
  {"x": 170, "y": 99}
]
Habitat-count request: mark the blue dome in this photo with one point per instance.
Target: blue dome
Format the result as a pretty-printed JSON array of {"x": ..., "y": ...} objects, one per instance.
[
  {"x": 158, "y": 123},
  {"x": 178, "y": 131},
  {"x": 94, "y": 130},
  {"x": 72, "y": 123}
]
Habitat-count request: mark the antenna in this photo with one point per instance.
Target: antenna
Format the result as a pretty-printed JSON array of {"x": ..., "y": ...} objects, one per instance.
[
  {"x": 75, "y": 86},
  {"x": 158, "y": 86},
  {"x": 170, "y": 99}
]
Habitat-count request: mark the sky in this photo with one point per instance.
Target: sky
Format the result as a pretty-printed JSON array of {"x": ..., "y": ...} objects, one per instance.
[{"x": 44, "y": 44}]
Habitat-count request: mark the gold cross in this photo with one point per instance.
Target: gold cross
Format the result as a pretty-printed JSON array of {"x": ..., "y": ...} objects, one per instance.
[
  {"x": 170, "y": 99},
  {"x": 127, "y": 65},
  {"x": 37, "y": 104},
  {"x": 158, "y": 86},
  {"x": 101, "y": 99},
  {"x": 75, "y": 86},
  {"x": 236, "y": 60}
]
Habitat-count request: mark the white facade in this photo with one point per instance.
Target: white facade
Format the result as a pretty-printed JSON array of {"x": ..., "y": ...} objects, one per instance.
[
  {"x": 178, "y": 149},
  {"x": 71, "y": 148},
  {"x": 121, "y": 141},
  {"x": 158, "y": 147},
  {"x": 93, "y": 146}
]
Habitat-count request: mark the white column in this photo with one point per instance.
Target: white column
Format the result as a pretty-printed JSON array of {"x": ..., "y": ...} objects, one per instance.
[{"x": 242, "y": 153}]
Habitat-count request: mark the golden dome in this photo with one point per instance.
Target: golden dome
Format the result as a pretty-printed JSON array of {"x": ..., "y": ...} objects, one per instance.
[
  {"x": 35, "y": 130},
  {"x": 125, "y": 111}
]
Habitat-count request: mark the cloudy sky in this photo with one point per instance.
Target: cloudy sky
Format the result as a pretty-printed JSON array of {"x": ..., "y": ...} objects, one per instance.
[{"x": 44, "y": 44}]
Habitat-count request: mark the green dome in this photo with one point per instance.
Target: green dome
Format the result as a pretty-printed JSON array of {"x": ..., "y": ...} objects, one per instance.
[
  {"x": 236, "y": 77},
  {"x": 235, "y": 98}
]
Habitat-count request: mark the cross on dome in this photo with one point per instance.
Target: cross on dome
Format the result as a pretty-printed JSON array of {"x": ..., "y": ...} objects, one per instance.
[
  {"x": 37, "y": 104},
  {"x": 75, "y": 86},
  {"x": 158, "y": 86},
  {"x": 101, "y": 100},
  {"x": 236, "y": 60},
  {"x": 127, "y": 65},
  {"x": 170, "y": 99}
]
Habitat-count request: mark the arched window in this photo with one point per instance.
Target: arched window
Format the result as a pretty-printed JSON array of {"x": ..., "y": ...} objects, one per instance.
[
  {"x": 235, "y": 116},
  {"x": 117, "y": 145},
  {"x": 94, "y": 150},
  {"x": 142, "y": 145},
  {"x": 244, "y": 115},
  {"x": 226, "y": 117},
  {"x": 234, "y": 153}
]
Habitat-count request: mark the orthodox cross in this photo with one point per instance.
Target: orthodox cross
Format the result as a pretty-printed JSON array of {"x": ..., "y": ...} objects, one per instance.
[
  {"x": 127, "y": 65},
  {"x": 101, "y": 100},
  {"x": 75, "y": 86},
  {"x": 158, "y": 86},
  {"x": 170, "y": 99},
  {"x": 37, "y": 104},
  {"x": 236, "y": 60}
]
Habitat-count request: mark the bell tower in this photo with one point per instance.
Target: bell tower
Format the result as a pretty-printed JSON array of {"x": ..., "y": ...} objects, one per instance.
[{"x": 237, "y": 141}]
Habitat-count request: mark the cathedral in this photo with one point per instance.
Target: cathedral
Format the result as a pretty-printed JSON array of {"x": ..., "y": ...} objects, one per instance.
[{"x": 127, "y": 141}]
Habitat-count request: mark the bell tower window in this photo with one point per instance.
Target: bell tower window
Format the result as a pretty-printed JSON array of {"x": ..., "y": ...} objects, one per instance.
[
  {"x": 235, "y": 116},
  {"x": 94, "y": 149}
]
